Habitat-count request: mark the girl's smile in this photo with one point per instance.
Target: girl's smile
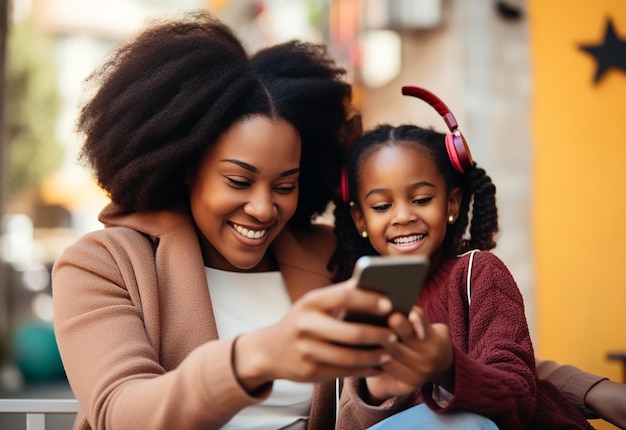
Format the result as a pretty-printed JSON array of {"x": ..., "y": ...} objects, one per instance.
[
  {"x": 408, "y": 244},
  {"x": 404, "y": 209}
]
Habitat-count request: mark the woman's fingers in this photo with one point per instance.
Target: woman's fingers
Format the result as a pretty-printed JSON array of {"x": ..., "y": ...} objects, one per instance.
[
  {"x": 345, "y": 296},
  {"x": 311, "y": 344},
  {"x": 342, "y": 356},
  {"x": 322, "y": 326},
  {"x": 316, "y": 314}
]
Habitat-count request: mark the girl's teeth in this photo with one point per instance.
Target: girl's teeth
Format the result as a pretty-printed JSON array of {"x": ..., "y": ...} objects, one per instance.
[{"x": 407, "y": 240}]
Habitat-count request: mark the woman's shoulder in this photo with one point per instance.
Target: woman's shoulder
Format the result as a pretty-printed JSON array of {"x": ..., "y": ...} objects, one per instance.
[
  {"x": 101, "y": 248},
  {"x": 113, "y": 236}
]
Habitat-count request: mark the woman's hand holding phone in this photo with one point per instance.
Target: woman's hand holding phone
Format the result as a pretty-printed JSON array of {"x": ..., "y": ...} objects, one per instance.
[{"x": 309, "y": 344}]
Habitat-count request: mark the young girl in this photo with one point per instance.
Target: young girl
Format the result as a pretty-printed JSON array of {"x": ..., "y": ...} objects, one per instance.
[{"x": 467, "y": 346}]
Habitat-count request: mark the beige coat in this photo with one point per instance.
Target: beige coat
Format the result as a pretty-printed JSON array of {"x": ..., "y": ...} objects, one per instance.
[{"x": 137, "y": 335}]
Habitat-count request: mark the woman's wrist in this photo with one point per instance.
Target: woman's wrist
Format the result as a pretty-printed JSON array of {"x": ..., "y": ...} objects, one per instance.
[
  {"x": 246, "y": 367},
  {"x": 606, "y": 400}
]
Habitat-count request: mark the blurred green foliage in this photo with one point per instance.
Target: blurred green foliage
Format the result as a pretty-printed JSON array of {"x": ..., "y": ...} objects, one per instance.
[{"x": 32, "y": 150}]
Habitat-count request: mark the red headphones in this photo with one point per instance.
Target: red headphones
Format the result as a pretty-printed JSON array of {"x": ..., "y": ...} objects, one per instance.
[{"x": 456, "y": 145}]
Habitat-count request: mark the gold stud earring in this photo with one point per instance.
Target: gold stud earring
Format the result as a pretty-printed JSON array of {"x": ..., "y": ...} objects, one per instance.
[
  {"x": 450, "y": 219},
  {"x": 364, "y": 234}
]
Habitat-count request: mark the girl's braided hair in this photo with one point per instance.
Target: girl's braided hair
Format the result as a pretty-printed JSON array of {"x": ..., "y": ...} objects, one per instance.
[{"x": 475, "y": 227}]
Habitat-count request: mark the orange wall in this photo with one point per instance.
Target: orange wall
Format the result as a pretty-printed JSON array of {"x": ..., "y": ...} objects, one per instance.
[{"x": 579, "y": 189}]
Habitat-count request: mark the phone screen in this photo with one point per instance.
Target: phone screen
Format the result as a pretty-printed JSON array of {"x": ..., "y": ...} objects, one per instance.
[{"x": 398, "y": 277}]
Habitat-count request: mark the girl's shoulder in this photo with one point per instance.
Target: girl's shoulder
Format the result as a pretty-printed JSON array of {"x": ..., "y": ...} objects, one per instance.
[
  {"x": 486, "y": 272},
  {"x": 480, "y": 260},
  {"x": 474, "y": 264}
]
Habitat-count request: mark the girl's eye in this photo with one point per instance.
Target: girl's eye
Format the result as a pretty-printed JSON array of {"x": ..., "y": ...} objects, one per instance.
[
  {"x": 381, "y": 207},
  {"x": 285, "y": 189},
  {"x": 237, "y": 183},
  {"x": 422, "y": 200}
]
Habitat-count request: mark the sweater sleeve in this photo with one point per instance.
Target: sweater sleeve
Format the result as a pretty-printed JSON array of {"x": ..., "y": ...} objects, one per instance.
[
  {"x": 494, "y": 364},
  {"x": 112, "y": 359},
  {"x": 356, "y": 414},
  {"x": 494, "y": 360},
  {"x": 488, "y": 391}
]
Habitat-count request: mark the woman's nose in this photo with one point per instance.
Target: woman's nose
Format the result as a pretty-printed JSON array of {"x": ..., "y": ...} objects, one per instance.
[{"x": 261, "y": 206}]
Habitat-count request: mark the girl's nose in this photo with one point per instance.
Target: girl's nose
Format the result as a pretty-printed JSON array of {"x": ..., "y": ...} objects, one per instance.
[{"x": 404, "y": 214}]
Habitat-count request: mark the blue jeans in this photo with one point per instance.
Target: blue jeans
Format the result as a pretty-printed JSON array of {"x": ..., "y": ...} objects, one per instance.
[{"x": 422, "y": 417}]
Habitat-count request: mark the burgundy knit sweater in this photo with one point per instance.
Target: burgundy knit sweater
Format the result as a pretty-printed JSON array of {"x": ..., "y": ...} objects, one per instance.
[{"x": 494, "y": 359}]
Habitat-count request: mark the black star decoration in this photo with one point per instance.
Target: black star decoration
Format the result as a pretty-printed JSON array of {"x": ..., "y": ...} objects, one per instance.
[{"x": 611, "y": 53}]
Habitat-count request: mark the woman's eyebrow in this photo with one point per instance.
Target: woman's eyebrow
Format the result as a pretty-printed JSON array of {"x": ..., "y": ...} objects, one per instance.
[
  {"x": 242, "y": 164},
  {"x": 290, "y": 172},
  {"x": 251, "y": 168}
]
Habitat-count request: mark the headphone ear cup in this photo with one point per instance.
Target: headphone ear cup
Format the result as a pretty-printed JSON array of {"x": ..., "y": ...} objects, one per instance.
[
  {"x": 458, "y": 152},
  {"x": 452, "y": 153}
]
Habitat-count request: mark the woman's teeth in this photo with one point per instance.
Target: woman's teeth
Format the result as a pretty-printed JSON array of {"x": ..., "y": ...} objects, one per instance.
[{"x": 250, "y": 234}]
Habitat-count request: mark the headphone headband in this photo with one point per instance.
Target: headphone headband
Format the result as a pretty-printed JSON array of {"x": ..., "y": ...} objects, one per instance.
[{"x": 458, "y": 150}]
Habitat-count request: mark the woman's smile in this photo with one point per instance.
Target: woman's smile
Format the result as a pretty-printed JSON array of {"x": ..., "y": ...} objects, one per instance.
[
  {"x": 245, "y": 191},
  {"x": 249, "y": 232}
]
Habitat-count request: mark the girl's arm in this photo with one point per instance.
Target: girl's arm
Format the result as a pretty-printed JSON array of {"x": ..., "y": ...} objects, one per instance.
[{"x": 494, "y": 357}]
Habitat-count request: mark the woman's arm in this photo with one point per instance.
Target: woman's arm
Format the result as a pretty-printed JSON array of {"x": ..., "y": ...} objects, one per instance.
[
  {"x": 596, "y": 396},
  {"x": 119, "y": 365}
]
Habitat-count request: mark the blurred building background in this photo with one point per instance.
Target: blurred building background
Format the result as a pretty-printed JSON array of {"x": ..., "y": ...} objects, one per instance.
[{"x": 540, "y": 113}]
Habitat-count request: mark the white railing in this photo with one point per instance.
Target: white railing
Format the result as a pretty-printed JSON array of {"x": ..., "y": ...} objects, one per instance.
[{"x": 37, "y": 409}]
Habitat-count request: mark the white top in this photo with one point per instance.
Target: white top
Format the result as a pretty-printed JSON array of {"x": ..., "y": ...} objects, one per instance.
[{"x": 246, "y": 301}]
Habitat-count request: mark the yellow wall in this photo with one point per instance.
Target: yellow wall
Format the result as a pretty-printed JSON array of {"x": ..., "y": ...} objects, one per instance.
[{"x": 579, "y": 190}]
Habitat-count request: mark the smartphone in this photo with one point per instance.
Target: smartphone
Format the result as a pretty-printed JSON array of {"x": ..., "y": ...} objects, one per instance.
[{"x": 398, "y": 277}]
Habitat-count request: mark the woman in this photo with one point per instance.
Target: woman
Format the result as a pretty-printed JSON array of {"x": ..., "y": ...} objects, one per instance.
[{"x": 198, "y": 305}]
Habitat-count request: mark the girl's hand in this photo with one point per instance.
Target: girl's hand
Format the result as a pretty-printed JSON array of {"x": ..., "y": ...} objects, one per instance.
[
  {"x": 424, "y": 354},
  {"x": 311, "y": 344}
]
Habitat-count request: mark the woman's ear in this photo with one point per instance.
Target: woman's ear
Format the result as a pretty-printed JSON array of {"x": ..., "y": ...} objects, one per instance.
[
  {"x": 454, "y": 203},
  {"x": 190, "y": 175},
  {"x": 352, "y": 130}
]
